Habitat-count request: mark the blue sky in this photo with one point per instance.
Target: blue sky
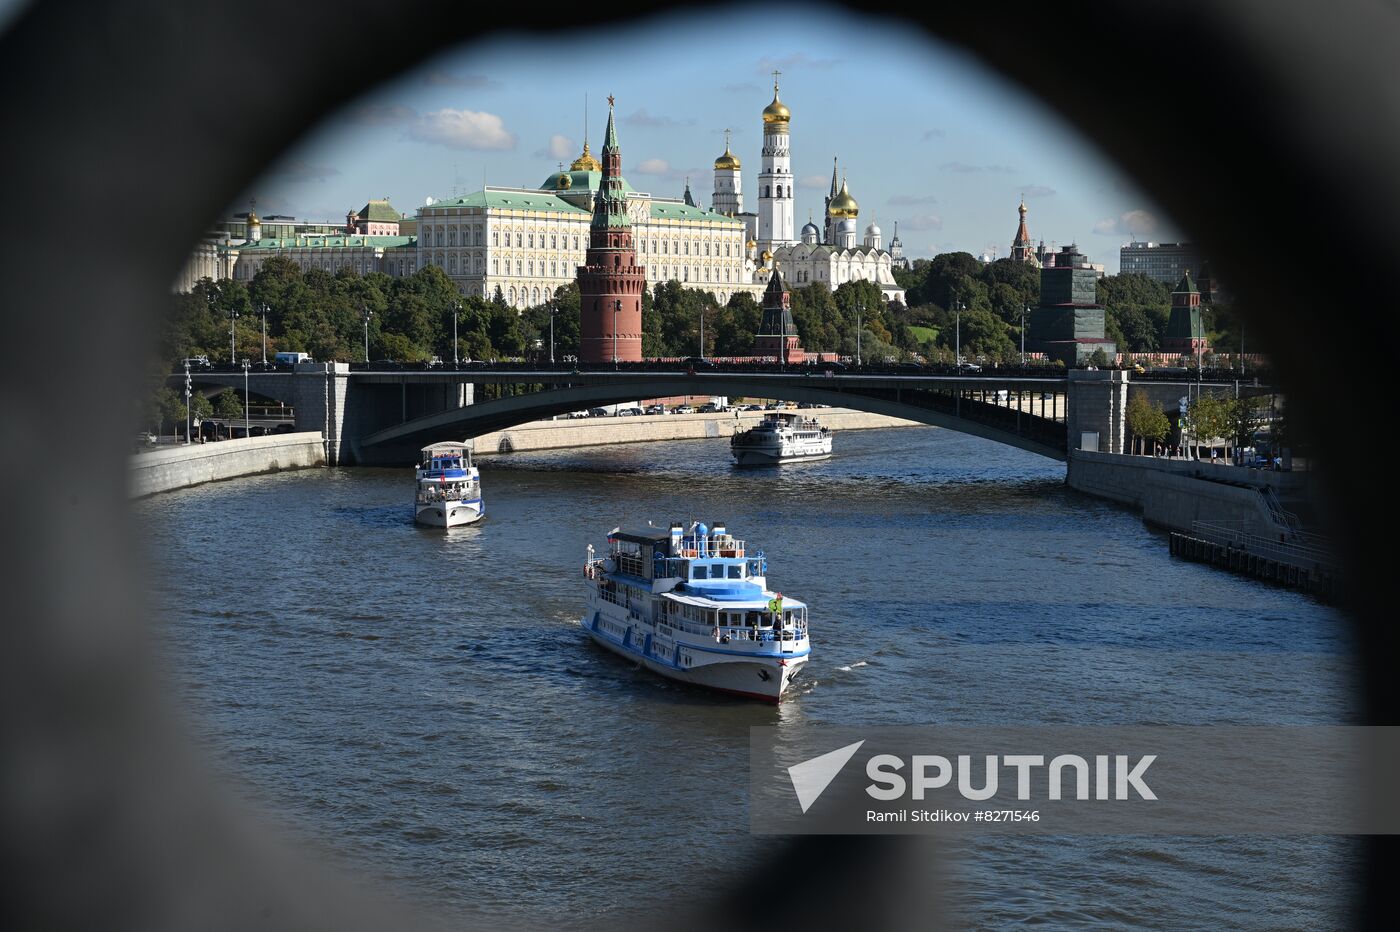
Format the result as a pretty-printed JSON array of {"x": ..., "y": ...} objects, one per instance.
[{"x": 928, "y": 136}]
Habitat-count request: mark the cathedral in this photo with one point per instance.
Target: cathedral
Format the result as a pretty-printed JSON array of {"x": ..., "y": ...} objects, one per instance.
[{"x": 829, "y": 254}]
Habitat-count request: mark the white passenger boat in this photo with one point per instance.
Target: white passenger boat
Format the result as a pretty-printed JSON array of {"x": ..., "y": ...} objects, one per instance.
[
  {"x": 694, "y": 605},
  {"x": 449, "y": 486},
  {"x": 781, "y": 437}
]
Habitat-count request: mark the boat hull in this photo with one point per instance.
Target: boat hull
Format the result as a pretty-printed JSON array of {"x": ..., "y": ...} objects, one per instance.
[
  {"x": 762, "y": 678},
  {"x": 747, "y": 457},
  {"x": 450, "y": 514}
]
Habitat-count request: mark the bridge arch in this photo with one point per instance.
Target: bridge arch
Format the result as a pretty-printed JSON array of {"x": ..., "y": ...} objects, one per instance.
[{"x": 1042, "y": 436}]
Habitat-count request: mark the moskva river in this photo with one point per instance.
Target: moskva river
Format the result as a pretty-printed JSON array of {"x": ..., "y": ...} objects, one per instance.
[{"x": 425, "y": 703}]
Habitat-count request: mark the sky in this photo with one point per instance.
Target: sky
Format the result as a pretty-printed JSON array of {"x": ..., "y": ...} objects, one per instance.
[{"x": 927, "y": 136}]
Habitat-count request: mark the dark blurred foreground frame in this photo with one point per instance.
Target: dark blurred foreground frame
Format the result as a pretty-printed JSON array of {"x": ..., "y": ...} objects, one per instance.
[{"x": 1268, "y": 129}]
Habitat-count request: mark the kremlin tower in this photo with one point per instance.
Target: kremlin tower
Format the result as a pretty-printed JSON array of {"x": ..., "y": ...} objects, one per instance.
[
  {"x": 610, "y": 281},
  {"x": 777, "y": 332},
  {"x": 1021, "y": 248},
  {"x": 1185, "y": 331}
]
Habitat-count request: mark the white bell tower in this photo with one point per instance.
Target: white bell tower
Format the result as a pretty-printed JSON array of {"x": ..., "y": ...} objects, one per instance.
[{"x": 775, "y": 201}]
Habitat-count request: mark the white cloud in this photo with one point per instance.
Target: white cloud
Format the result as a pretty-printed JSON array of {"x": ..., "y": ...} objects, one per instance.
[
  {"x": 911, "y": 199},
  {"x": 462, "y": 129},
  {"x": 924, "y": 222},
  {"x": 653, "y": 167},
  {"x": 560, "y": 147},
  {"x": 814, "y": 182},
  {"x": 796, "y": 60},
  {"x": 1132, "y": 223},
  {"x": 642, "y": 118},
  {"x": 964, "y": 167}
]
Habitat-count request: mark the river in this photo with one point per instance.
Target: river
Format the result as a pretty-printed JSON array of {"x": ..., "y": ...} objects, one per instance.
[{"x": 426, "y": 704}]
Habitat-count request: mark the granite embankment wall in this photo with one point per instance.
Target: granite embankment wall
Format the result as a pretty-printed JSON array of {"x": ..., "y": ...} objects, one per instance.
[
  {"x": 585, "y": 432},
  {"x": 178, "y": 467},
  {"x": 1174, "y": 493}
]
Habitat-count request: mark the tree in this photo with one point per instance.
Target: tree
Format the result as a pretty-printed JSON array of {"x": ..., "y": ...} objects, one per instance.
[
  {"x": 200, "y": 407},
  {"x": 1210, "y": 419},
  {"x": 1145, "y": 422},
  {"x": 228, "y": 405}
]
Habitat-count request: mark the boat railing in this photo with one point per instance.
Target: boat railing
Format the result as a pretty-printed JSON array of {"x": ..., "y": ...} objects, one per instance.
[
  {"x": 712, "y": 545},
  {"x": 759, "y": 635},
  {"x": 446, "y": 492}
]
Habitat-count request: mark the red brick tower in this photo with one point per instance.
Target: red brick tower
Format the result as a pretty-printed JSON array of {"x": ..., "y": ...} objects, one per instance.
[
  {"x": 610, "y": 281},
  {"x": 1021, "y": 248}
]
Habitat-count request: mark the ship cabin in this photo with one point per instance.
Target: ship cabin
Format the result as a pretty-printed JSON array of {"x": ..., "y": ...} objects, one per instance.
[
  {"x": 449, "y": 460},
  {"x": 444, "y": 473}
]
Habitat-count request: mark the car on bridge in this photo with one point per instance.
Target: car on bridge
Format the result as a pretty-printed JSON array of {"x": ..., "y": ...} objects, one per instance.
[
  {"x": 599, "y": 412},
  {"x": 656, "y": 409},
  {"x": 683, "y": 409}
]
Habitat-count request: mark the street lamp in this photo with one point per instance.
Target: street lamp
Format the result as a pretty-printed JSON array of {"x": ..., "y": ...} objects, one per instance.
[
  {"x": 247, "y": 428},
  {"x": 368, "y": 314},
  {"x": 263, "y": 308},
  {"x": 860, "y": 308},
  {"x": 617, "y": 309},
  {"x": 553, "y": 310},
  {"x": 957, "y": 334},
  {"x": 456, "y": 312},
  {"x": 702, "y": 331},
  {"x": 188, "y": 385},
  {"x": 1024, "y": 311},
  {"x": 232, "y": 351}
]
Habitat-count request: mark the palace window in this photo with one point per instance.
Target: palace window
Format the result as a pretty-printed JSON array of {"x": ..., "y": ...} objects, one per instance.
[
  {"x": 687, "y": 248},
  {"x": 554, "y": 242},
  {"x": 452, "y": 265},
  {"x": 496, "y": 238},
  {"x": 532, "y": 241},
  {"x": 519, "y": 240},
  {"x": 677, "y": 247},
  {"x": 452, "y": 236},
  {"x": 495, "y": 266},
  {"x": 531, "y": 265},
  {"x": 517, "y": 267},
  {"x": 554, "y": 269}
]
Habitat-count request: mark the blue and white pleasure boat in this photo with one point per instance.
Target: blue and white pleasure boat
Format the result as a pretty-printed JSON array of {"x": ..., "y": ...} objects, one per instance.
[
  {"x": 449, "y": 486},
  {"x": 694, "y": 605}
]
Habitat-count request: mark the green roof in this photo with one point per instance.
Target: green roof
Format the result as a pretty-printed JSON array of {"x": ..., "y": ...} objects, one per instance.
[
  {"x": 379, "y": 212},
  {"x": 330, "y": 242},
  {"x": 665, "y": 210},
  {"x": 1185, "y": 286},
  {"x": 510, "y": 200}
]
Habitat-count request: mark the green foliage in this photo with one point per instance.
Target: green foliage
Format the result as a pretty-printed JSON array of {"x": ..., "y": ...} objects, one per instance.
[
  {"x": 1146, "y": 422},
  {"x": 227, "y": 404},
  {"x": 1210, "y": 418},
  {"x": 200, "y": 407}
]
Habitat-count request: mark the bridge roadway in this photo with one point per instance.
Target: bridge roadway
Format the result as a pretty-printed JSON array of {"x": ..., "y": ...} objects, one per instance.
[{"x": 383, "y": 416}]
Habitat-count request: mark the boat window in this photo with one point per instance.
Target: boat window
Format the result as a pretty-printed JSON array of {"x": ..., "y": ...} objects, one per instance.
[
  {"x": 699, "y": 572},
  {"x": 735, "y": 571}
]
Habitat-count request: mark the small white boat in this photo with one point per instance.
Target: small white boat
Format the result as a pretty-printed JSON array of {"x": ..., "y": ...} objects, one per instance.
[
  {"x": 781, "y": 437},
  {"x": 694, "y": 606},
  {"x": 449, "y": 486}
]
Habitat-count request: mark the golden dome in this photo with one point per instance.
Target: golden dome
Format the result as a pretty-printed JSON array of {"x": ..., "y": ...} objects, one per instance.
[
  {"x": 586, "y": 162},
  {"x": 843, "y": 205},
  {"x": 766, "y": 256},
  {"x": 752, "y": 243},
  {"x": 253, "y": 219},
  {"x": 777, "y": 111},
  {"x": 729, "y": 160}
]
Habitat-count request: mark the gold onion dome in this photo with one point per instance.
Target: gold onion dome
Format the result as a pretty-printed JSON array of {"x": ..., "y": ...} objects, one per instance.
[
  {"x": 728, "y": 160},
  {"x": 777, "y": 111},
  {"x": 843, "y": 205},
  {"x": 586, "y": 162}
]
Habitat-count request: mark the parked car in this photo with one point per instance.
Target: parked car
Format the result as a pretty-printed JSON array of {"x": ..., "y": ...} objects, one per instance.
[
  {"x": 599, "y": 412},
  {"x": 707, "y": 408},
  {"x": 197, "y": 362},
  {"x": 575, "y": 415},
  {"x": 682, "y": 409},
  {"x": 629, "y": 412},
  {"x": 656, "y": 409}
]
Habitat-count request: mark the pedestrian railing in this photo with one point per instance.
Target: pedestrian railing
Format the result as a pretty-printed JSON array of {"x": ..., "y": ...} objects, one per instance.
[{"x": 1311, "y": 550}]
